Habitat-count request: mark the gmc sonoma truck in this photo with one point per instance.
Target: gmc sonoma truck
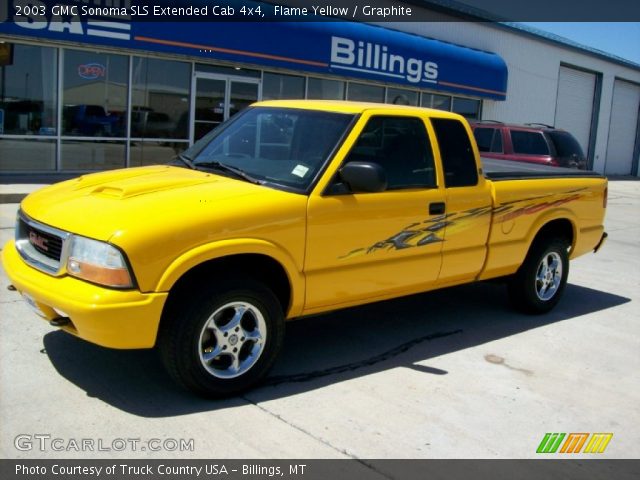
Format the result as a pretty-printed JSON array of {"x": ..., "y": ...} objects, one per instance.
[{"x": 293, "y": 208}]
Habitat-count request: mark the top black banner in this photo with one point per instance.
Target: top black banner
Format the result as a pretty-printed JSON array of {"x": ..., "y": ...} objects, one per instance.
[{"x": 371, "y": 11}]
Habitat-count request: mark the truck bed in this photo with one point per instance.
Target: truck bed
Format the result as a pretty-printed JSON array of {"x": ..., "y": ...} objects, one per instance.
[{"x": 497, "y": 170}]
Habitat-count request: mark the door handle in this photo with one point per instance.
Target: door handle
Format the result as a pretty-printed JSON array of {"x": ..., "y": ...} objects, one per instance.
[{"x": 437, "y": 208}]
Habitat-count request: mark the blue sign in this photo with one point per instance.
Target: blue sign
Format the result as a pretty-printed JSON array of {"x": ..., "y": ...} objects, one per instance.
[{"x": 346, "y": 49}]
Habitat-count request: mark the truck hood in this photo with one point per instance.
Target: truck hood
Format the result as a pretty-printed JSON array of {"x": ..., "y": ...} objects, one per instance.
[{"x": 105, "y": 204}]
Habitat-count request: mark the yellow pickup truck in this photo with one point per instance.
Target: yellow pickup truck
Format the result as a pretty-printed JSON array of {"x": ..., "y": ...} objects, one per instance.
[{"x": 293, "y": 208}]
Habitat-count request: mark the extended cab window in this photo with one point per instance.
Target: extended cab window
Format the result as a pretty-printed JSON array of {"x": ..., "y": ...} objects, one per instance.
[
  {"x": 400, "y": 145},
  {"x": 529, "y": 143},
  {"x": 458, "y": 160},
  {"x": 488, "y": 139}
]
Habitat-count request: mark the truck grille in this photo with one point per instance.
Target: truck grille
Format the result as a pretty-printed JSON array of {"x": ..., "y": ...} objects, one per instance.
[
  {"x": 45, "y": 243},
  {"x": 41, "y": 246}
]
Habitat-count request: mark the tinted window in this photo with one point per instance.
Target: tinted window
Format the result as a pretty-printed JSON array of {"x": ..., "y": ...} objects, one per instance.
[
  {"x": 160, "y": 93},
  {"x": 361, "y": 92},
  {"x": 529, "y": 143},
  {"x": 95, "y": 98},
  {"x": 401, "y": 146},
  {"x": 28, "y": 81},
  {"x": 324, "y": 89},
  {"x": 566, "y": 145},
  {"x": 277, "y": 86},
  {"x": 400, "y": 96},
  {"x": 484, "y": 138},
  {"x": 496, "y": 145},
  {"x": 457, "y": 155},
  {"x": 467, "y": 107}
]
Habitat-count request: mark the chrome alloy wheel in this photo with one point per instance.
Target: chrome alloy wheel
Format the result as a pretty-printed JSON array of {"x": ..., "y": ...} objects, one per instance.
[
  {"x": 548, "y": 276},
  {"x": 232, "y": 340}
]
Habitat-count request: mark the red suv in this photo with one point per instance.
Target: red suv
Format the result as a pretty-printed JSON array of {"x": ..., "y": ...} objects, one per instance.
[{"x": 533, "y": 142}]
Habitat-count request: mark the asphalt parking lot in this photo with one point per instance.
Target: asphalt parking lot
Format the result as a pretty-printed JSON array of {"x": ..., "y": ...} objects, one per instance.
[{"x": 448, "y": 374}]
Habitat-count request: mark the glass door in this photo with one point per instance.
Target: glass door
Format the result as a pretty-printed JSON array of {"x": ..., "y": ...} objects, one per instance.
[{"x": 217, "y": 98}]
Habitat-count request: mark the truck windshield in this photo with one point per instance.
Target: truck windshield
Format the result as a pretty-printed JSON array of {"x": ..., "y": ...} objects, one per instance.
[{"x": 279, "y": 146}]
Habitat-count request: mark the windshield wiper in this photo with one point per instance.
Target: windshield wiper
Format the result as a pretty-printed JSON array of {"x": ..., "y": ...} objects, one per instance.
[
  {"x": 228, "y": 168},
  {"x": 186, "y": 160}
]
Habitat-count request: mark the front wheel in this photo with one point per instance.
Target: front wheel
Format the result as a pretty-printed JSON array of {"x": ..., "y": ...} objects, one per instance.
[
  {"x": 541, "y": 279},
  {"x": 221, "y": 342}
]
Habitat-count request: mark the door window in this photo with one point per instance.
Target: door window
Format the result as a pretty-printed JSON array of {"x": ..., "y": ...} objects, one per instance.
[
  {"x": 400, "y": 145},
  {"x": 489, "y": 139}
]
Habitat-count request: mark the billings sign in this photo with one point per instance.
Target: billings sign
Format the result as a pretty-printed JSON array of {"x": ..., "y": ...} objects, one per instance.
[{"x": 378, "y": 59}]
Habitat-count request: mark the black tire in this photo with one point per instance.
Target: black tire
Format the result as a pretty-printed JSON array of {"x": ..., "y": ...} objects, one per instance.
[
  {"x": 188, "y": 349},
  {"x": 530, "y": 290}
]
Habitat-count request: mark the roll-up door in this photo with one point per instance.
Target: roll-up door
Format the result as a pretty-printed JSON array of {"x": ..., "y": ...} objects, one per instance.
[
  {"x": 623, "y": 128},
  {"x": 574, "y": 104}
]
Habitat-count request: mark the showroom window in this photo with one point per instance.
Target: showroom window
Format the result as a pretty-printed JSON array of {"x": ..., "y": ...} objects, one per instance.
[
  {"x": 28, "y": 91},
  {"x": 467, "y": 107},
  {"x": 400, "y": 96},
  {"x": 276, "y": 86},
  {"x": 94, "y": 98},
  {"x": 94, "y": 104},
  {"x": 323, "y": 89},
  {"x": 160, "y": 98},
  {"x": 28, "y": 79},
  {"x": 440, "y": 102},
  {"x": 159, "y": 110},
  {"x": 361, "y": 92}
]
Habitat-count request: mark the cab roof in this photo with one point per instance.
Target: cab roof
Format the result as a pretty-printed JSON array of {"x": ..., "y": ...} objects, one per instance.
[{"x": 343, "y": 106}]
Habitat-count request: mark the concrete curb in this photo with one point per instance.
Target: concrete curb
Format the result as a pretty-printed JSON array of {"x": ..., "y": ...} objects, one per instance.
[
  {"x": 15, "y": 192},
  {"x": 12, "y": 197}
]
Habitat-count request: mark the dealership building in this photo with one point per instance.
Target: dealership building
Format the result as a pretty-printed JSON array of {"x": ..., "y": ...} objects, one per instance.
[{"x": 94, "y": 92}]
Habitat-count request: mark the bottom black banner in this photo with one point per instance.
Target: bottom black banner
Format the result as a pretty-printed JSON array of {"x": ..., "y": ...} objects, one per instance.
[{"x": 319, "y": 469}]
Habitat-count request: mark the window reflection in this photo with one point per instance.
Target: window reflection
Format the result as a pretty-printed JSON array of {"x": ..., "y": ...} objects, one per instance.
[
  {"x": 365, "y": 93},
  {"x": 28, "y": 90},
  {"x": 95, "y": 94},
  {"x": 30, "y": 154},
  {"x": 92, "y": 155},
  {"x": 154, "y": 153},
  {"x": 400, "y": 96},
  {"x": 323, "y": 89},
  {"x": 276, "y": 86},
  {"x": 160, "y": 98}
]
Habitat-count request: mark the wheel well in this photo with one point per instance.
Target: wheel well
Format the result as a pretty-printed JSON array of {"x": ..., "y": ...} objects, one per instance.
[
  {"x": 259, "y": 267},
  {"x": 561, "y": 228}
]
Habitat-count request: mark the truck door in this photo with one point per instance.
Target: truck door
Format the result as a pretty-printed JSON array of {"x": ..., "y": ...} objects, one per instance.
[
  {"x": 367, "y": 245},
  {"x": 469, "y": 203}
]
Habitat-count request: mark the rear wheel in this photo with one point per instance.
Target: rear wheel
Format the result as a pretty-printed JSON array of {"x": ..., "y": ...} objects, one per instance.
[
  {"x": 224, "y": 341},
  {"x": 541, "y": 280}
]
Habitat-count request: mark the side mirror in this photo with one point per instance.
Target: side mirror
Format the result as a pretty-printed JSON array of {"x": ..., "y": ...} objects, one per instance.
[{"x": 364, "y": 177}]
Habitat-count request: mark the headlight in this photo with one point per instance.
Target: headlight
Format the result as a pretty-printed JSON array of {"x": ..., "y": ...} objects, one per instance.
[{"x": 98, "y": 262}]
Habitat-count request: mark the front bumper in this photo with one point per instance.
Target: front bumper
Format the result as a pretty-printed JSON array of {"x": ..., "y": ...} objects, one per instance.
[{"x": 112, "y": 318}]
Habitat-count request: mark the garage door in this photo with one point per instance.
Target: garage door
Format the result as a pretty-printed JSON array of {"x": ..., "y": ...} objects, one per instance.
[
  {"x": 574, "y": 104},
  {"x": 623, "y": 129}
]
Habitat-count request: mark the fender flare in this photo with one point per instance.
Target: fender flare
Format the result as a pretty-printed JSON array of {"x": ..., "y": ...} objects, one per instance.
[{"x": 237, "y": 246}]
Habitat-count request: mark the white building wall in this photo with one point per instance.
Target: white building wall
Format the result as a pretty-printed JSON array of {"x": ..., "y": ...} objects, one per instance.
[{"x": 534, "y": 66}]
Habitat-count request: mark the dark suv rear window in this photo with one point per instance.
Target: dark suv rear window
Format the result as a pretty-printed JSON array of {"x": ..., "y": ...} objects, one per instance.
[
  {"x": 566, "y": 145},
  {"x": 529, "y": 143}
]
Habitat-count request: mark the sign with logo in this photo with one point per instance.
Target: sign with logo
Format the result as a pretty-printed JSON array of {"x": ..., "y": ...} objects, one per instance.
[
  {"x": 91, "y": 71},
  {"x": 344, "y": 49},
  {"x": 573, "y": 442}
]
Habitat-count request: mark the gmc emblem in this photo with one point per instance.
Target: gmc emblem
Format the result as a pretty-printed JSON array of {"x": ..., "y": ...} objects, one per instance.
[{"x": 38, "y": 241}]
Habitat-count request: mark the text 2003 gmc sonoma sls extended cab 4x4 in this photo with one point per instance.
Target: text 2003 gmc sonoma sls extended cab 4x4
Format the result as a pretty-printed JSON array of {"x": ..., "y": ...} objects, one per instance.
[{"x": 293, "y": 208}]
